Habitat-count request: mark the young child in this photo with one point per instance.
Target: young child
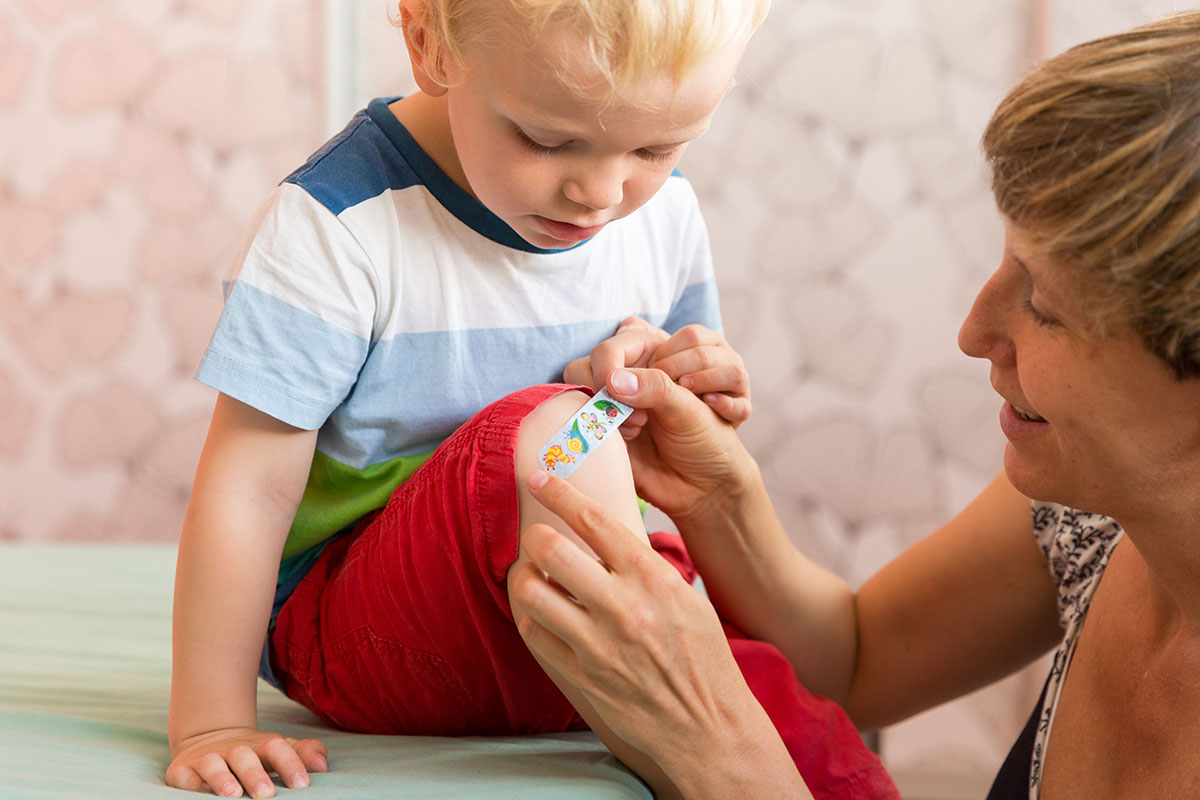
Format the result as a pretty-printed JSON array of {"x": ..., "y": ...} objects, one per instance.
[{"x": 448, "y": 251}]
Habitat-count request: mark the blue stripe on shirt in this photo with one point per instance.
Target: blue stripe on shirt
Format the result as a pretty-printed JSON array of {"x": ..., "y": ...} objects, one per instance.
[
  {"x": 414, "y": 390},
  {"x": 264, "y": 347}
]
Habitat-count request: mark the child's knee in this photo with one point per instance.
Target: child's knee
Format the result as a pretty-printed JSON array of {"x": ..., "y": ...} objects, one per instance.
[
  {"x": 604, "y": 459},
  {"x": 605, "y": 475}
]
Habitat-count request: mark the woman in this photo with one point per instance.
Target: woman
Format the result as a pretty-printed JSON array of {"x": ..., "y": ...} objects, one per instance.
[{"x": 1092, "y": 327}]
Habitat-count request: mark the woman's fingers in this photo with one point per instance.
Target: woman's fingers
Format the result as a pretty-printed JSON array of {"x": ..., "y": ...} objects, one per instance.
[
  {"x": 599, "y": 529},
  {"x": 549, "y": 614},
  {"x": 652, "y": 390}
]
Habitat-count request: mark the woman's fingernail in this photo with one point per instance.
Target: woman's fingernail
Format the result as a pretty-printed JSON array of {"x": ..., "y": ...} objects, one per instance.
[
  {"x": 624, "y": 382},
  {"x": 538, "y": 479}
]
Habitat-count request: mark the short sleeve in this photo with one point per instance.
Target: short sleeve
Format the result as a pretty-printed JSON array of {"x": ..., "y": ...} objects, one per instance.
[
  {"x": 698, "y": 302},
  {"x": 1077, "y": 545},
  {"x": 299, "y": 314}
]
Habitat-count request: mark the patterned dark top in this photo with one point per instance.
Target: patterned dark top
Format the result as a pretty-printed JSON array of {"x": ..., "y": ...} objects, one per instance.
[{"x": 1077, "y": 545}]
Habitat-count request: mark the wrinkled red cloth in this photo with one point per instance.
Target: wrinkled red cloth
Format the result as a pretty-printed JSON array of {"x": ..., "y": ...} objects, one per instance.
[{"x": 405, "y": 627}]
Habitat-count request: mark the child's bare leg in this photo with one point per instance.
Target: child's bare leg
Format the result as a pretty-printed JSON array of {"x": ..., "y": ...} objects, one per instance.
[{"x": 606, "y": 477}]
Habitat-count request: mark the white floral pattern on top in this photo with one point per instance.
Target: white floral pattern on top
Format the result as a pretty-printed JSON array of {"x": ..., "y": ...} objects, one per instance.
[{"x": 1077, "y": 545}]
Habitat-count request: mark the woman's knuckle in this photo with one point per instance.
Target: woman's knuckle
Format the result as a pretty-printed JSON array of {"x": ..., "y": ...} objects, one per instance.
[{"x": 594, "y": 517}]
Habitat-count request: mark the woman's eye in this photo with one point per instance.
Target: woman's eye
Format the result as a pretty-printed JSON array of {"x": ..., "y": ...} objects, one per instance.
[{"x": 1038, "y": 317}]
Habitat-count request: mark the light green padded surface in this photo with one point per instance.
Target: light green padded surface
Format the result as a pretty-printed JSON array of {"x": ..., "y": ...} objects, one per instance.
[{"x": 84, "y": 678}]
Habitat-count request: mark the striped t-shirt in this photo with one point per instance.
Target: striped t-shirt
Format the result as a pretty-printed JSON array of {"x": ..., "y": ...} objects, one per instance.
[{"x": 377, "y": 301}]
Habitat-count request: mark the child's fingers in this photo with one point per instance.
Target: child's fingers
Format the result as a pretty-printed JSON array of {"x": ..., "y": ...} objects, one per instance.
[
  {"x": 730, "y": 379},
  {"x": 631, "y": 347},
  {"x": 279, "y": 755},
  {"x": 638, "y": 323},
  {"x": 186, "y": 778},
  {"x": 219, "y": 776},
  {"x": 732, "y": 409},
  {"x": 314, "y": 755},
  {"x": 629, "y": 433},
  {"x": 579, "y": 372},
  {"x": 637, "y": 419},
  {"x": 246, "y": 764},
  {"x": 688, "y": 337}
]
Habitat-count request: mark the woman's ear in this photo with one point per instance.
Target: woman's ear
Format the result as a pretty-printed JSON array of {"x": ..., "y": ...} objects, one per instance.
[{"x": 425, "y": 51}]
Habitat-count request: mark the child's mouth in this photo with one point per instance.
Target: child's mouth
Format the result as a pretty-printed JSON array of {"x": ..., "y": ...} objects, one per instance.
[{"x": 565, "y": 231}]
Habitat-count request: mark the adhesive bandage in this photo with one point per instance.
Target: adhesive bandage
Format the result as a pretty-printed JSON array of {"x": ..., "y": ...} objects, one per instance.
[{"x": 583, "y": 433}]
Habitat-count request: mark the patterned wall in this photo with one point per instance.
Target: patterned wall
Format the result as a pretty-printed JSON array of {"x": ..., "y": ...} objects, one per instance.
[
  {"x": 849, "y": 212},
  {"x": 135, "y": 140}
]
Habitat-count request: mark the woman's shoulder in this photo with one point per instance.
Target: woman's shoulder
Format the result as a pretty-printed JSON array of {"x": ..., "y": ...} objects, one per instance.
[{"x": 1077, "y": 545}]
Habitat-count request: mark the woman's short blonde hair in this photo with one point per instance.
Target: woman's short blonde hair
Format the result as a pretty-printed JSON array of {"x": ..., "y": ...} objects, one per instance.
[
  {"x": 628, "y": 42},
  {"x": 1096, "y": 156}
]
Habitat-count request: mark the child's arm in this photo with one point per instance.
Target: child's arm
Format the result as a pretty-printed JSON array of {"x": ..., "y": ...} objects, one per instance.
[
  {"x": 697, "y": 358},
  {"x": 248, "y": 484}
]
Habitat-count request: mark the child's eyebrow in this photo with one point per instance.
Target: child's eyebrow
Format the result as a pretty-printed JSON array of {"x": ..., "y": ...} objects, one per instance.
[{"x": 553, "y": 128}]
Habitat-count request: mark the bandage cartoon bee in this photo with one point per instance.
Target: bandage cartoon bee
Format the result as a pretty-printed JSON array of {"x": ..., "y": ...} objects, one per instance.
[{"x": 593, "y": 424}]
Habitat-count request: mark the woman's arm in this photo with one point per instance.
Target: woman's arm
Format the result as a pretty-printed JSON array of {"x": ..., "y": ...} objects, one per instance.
[
  {"x": 648, "y": 653},
  {"x": 967, "y": 605}
]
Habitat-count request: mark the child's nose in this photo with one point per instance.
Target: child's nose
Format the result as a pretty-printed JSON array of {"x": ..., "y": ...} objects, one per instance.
[{"x": 597, "y": 186}]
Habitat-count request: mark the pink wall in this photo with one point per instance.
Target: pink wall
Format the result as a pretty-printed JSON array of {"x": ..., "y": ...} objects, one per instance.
[{"x": 135, "y": 140}]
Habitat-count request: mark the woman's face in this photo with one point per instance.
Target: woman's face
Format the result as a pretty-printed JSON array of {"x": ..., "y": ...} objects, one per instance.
[{"x": 1094, "y": 421}]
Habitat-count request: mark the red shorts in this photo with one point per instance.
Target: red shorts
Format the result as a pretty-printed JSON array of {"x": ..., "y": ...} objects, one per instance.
[{"x": 405, "y": 627}]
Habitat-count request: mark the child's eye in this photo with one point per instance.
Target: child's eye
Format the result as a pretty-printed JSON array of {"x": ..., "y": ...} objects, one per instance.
[
  {"x": 536, "y": 147},
  {"x": 650, "y": 155},
  {"x": 1038, "y": 317}
]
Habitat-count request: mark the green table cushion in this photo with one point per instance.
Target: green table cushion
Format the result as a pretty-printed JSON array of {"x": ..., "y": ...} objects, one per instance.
[{"x": 85, "y": 660}]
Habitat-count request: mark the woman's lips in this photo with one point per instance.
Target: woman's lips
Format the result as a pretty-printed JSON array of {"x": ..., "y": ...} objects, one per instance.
[
  {"x": 1017, "y": 424},
  {"x": 565, "y": 231}
]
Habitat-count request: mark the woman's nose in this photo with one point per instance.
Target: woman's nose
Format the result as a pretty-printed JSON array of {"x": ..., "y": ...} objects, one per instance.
[{"x": 983, "y": 333}]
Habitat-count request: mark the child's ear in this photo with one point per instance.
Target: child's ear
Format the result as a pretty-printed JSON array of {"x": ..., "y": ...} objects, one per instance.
[{"x": 424, "y": 50}]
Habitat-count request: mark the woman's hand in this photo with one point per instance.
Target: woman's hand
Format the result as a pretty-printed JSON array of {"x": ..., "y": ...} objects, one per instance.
[
  {"x": 691, "y": 461},
  {"x": 646, "y": 649},
  {"x": 697, "y": 358},
  {"x": 633, "y": 345},
  {"x": 228, "y": 760}
]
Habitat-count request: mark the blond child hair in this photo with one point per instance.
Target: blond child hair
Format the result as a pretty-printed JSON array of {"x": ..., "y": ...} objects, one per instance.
[{"x": 628, "y": 42}]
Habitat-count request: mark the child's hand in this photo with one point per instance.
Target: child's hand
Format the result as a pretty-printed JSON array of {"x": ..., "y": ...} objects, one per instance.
[
  {"x": 226, "y": 760},
  {"x": 699, "y": 359},
  {"x": 633, "y": 345}
]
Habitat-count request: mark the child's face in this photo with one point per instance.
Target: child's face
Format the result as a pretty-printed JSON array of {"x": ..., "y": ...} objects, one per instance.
[{"x": 556, "y": 167}]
